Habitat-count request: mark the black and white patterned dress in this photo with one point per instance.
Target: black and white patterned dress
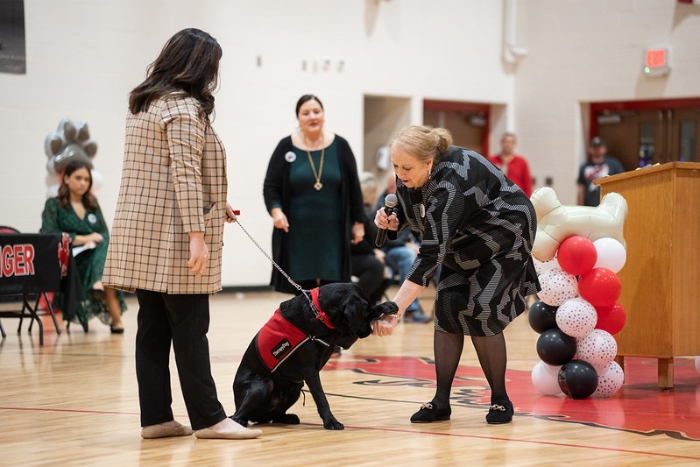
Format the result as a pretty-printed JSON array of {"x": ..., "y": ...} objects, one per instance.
[{"x": 480, "y": 227}]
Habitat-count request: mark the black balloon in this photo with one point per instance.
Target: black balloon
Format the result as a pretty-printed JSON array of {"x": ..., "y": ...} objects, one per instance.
[
  {"x": 542, "y": 317},
  {"x": 578, "y": 379},
  {"x": 555, "y": 347}
]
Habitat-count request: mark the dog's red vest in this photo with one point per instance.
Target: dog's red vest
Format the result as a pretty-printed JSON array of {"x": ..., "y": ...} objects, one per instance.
[{"x": 278, "y": 339}]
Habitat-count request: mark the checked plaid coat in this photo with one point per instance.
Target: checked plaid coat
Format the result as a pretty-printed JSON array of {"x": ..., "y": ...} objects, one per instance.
[{"x": 173, "y": 182}]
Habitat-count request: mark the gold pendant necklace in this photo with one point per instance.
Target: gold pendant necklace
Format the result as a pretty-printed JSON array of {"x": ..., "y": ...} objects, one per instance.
[{"x": 317, "y": 175}]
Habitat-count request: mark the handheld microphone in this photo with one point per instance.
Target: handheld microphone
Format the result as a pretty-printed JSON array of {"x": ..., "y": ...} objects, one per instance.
[{"x": 389, "y": 204}]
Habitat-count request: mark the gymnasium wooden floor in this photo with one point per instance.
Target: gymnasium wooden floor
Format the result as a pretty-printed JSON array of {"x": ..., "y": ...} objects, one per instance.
[{"x": 74, "y": 402}]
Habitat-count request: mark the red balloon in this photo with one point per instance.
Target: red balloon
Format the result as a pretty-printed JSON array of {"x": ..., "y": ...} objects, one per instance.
[
  {"x": 577, "y": 255},
  {"x": 611, "y": 318},
  {"x": 600, "y": 287}
]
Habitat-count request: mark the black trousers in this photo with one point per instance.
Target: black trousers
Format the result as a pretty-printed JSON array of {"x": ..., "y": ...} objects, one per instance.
[{"x": 182, "y": 320}]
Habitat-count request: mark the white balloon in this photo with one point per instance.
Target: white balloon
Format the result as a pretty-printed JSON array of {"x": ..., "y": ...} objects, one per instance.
[
  {"x": 51, "y": 179},
  {"x": 96, "y": 180},
  {"x": 576, "y": 317},
  {"x": 558, "y": 286},
  {"x": 545, "y": 378},
  {"x": 610, "y": 380},
  {"x": 611, "y": 254},
  {"x": 52, "y": 191},
  {"x": 598, "y": 348},
  {"x": 544, "y": 266}
]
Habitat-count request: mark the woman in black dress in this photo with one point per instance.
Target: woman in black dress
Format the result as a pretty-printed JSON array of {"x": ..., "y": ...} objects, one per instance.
[
  {"x": 480, "y": 227},
  {"x": 313, "y": 195}
]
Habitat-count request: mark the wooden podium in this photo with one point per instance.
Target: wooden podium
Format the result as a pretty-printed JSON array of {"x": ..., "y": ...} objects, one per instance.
[{"x": 661, "y": 277}]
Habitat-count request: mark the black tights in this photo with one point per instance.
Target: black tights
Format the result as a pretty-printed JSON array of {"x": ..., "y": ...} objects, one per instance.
[{"x": 491, "y": 351}]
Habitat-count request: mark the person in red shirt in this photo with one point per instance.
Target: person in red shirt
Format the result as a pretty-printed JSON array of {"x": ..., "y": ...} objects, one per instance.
[{"x": 514, "y": 166}]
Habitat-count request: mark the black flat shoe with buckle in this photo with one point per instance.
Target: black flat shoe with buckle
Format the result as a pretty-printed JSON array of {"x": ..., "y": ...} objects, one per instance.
[
  {"x": 500, "y": 413},
  {"x": 429, "y": 412}
]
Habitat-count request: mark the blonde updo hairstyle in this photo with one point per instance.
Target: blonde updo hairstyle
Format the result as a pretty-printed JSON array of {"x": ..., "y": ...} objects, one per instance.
[{"x": 422, "y": 142}]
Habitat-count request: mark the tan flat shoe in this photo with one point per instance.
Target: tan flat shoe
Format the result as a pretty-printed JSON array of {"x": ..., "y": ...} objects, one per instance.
[
  {"x": 160, "y": 431},
  {"x": 241, "y": 433}
]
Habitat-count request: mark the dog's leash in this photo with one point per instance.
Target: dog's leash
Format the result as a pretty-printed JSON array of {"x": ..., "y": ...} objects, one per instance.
[{"x": 291, "y": 281}]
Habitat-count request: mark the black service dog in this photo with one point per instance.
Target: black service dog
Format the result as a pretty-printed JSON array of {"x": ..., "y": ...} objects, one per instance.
[{"x": 293, "y": 347}]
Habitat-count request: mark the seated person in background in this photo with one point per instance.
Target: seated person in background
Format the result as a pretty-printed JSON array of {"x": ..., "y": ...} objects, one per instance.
[
  {"x": 390, "y": 188},
  {"x": 400, "y": 255},
  {"x": 76, "y": 212},
  {"x": 367, "y": 260}
]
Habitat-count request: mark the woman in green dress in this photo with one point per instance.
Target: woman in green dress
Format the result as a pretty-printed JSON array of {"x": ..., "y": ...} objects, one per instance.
[
  {"x": 313, "y": 195},
  {"x": 76, "y": 212}
]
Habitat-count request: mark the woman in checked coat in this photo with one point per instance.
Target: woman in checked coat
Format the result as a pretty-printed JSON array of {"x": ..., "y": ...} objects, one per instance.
[{"x": 167, "y": 234}]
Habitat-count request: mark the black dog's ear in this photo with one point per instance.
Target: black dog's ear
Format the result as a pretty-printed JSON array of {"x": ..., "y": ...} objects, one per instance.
[
  {"x": 354, "y": 312},
  {"x": 386, "y": 308}
]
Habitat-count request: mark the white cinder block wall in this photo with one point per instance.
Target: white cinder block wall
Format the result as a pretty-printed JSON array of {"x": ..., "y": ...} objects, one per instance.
[
  {"x": 84, "y": 56},
  {"x": 583, "y": 51}
]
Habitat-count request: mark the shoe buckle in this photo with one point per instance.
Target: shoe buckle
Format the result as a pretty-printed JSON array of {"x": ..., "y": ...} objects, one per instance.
[
  {"x": 427, "y": 406},
  {"x": 497, "y": 407}
]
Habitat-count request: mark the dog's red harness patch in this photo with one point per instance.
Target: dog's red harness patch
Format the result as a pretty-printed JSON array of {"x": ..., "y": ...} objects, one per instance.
[{"x": 278, "y": 339}]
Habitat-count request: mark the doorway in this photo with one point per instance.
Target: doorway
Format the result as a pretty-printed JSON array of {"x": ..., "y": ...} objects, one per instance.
[
  {"x": 384, "y": 116},
  {"x": 468, "y": 122},
  {"x": 641, "y": 133}
]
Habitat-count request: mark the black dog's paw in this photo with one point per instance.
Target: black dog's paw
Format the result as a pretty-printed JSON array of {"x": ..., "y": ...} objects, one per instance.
[
  {"x": 333, "y": 424},
  {"x": 386, "y": 308},
  {"x": 287, "y": 419}
]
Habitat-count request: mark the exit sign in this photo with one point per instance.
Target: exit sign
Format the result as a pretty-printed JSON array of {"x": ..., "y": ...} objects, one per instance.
[{"x": 656, "y": 62}]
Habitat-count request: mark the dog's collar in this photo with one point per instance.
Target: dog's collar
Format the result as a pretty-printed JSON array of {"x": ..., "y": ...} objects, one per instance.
[{"x": 320, "y": 314}]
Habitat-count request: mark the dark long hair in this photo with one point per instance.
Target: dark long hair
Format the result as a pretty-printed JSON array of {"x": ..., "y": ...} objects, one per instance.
[
  {"x": 306, "y": 98},
  {"x": 88, "y": 200},
  {"x": 189, "y": 62}
]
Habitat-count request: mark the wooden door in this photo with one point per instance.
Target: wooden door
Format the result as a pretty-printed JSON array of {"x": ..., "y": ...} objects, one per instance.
[
  {"x": 468, "y": 122},
  {"x": 666, "y": 131},
  {"x": 466, "y": 128},
  {"x": 685, "y": 135}
]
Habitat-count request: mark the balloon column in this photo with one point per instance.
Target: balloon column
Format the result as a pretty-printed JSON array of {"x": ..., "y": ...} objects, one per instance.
[
  {"x": 578, "y": 251},
  {"x": 71, "y": 140}
]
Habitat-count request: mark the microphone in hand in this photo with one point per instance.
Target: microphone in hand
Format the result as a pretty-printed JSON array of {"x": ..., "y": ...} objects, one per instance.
[{"x": 389, "y": 204}]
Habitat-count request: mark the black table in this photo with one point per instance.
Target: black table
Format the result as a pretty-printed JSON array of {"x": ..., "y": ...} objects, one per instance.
[{"x": 35, "y": 264}]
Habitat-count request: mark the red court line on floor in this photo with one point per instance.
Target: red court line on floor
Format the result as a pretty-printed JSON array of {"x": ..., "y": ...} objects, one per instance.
[
  {"x": 47, "y": 409},
  {"x": 394, "y": 430},
  {"x": 515, "y": 440}
]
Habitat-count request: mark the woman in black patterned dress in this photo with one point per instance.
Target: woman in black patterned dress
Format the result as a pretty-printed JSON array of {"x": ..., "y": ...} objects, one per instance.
[{"x": 480, "y": 227}]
